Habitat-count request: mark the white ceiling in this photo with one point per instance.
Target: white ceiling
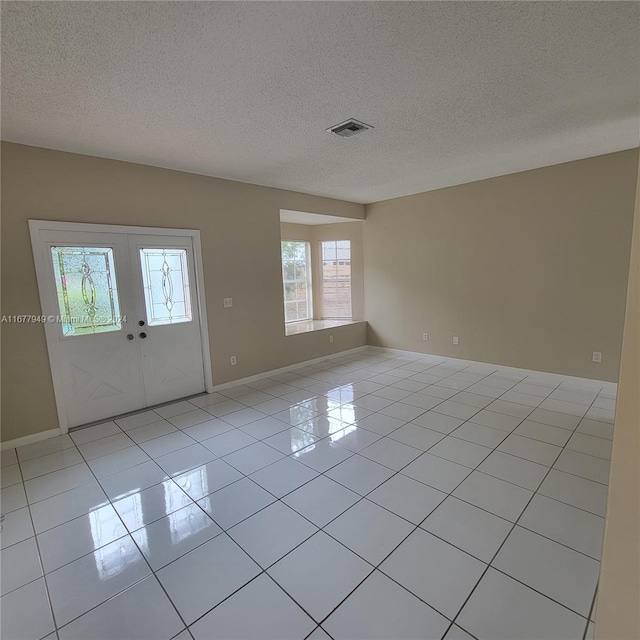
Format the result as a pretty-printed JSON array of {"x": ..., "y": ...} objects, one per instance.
[
  {"x": 302, "y": 217},
  {"x": 456, "y": 91}
]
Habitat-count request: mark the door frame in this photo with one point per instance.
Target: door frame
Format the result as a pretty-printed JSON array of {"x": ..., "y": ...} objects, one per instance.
[{"x": 40, "y": 257}]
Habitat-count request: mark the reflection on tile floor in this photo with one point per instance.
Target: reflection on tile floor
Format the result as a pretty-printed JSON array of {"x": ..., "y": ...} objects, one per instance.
[{"x": 372, "y": 495}]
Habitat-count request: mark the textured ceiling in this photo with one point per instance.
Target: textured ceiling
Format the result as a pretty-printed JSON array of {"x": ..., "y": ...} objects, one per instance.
[{"x": 456, "y": 91}]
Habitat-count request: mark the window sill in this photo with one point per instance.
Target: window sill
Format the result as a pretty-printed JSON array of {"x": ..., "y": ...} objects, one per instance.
[{"x": 306, "y": 326}]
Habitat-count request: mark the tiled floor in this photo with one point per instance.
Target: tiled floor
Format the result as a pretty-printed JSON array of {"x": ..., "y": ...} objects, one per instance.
[{"x": 373, "y": 495}]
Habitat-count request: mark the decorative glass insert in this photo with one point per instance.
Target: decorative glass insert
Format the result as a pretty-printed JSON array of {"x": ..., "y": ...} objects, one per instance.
[
  {"x": 336, "y": 279},
  {"x": 87, "y": 291},
  {"x": 165, "y": 278},
  {"x": 296, "y": 277}
]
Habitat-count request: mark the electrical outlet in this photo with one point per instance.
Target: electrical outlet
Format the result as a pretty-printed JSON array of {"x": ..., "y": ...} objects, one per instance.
[
  {"x": 330, "y": 339},
  {"x": 227, "y": 302},
  {"x": 597, "y": 356},
  {"x": 234, "y": 361},
  {"x": 456, "y": 340},
  {"x": 425, "y": 336}
]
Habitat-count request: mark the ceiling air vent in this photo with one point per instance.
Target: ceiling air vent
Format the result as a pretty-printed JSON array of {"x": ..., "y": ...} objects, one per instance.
[{"x": 349, "y": 128}]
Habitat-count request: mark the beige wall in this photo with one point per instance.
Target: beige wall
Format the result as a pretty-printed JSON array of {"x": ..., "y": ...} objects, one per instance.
[
  {"x": 240, "y": 228},
  {"x": 529, "y": 270},
  {"x": 316, "y": 233},
  {"x": 618, "y": 612}
]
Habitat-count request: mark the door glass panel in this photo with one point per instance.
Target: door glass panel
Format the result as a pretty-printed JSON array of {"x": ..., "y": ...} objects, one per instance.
[
  {"x": 87, "y": 290},
  {"x": 165, "y": 281}
]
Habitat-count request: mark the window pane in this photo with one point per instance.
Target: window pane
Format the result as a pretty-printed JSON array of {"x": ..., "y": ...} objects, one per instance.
[
  {"x": 296, "y": 276},
  {"x": 336, "y": 279},
  {"x": 87, "y": 291},
  {"x": 166, "y": 287}
]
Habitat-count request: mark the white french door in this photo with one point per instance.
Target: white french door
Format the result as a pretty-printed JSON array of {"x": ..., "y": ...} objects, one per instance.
[{"x": 123, "y": 314}]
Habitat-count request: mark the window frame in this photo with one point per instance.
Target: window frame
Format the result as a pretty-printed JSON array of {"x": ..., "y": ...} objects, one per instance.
[
  {"x": 308, "y": 281},
  {"x": 321, "y": 277}
]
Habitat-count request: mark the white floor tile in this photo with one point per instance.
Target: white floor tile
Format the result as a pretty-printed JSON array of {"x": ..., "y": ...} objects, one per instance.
[
  {"x": 492, "y": 494},
  {"x": 518, "y": 471},
  {"x": 66, "y": 506},
  {"x": 90, "y": 580},
  {"x": 433, "y": 570},
  {"x": 565, "y": 407},
  {"x": 143, "y": 612},
  {"x": 137, "y": 420},
  {"x": 236, "y": 502},
  {"x": 459, "y": 451},
  {"x": 456, "y": 409},
  {"x": 291, "y": 440},
  {"x": 479, "y": 434},
  {"x": 533, "y": 450},
  {"x": 252, "y": 458},
  {"x": 118, "y": 461},
  {"x": 97, "y": 432},
  {"x": 583, "y": 465},
  {"x": 554, "y": 418},
  {"x": 322, "y": 455},
  {"x": 140, "y": 508},
  {"x": 265, "y": 427},
  {"x": 8, "y": 457},
  {"x": 243, "y": 417},
  {"x": 469, "y": 528},
  {"x": 16, "y": 527},
  {"x": 50, "y": 462},
  {"x": 590, "y": 445},
  {"x": 503, "y": 609},
  {"x": 208, "y": 429},
  {"x": 496, "y": 420},
  {"x": 283, "y": 476},
  {"x": 229, "y": 442},
  {"x": 360, "y": 474},
  {"x": 58, "y": 482},
  {"x": 566, "y": 576},
  {"x": 20, "y": 565},
  {"x": 369, "y": 530},
  {"x": 379, "y": 609},
  {"x": 596, "y": 428},
  {"x": 104, "y": 446},
  {"x": 578, "y": 492},
  {"x": 203, "y": 480},
  {"x": 271, "y": 533},
  {"x": 438, "y": 422},
  {"x": 565, "y": 524},
  {"x": 44, "y": 447},
  {"x": 80, "y": 536},
  {"x": 203, "y": 578},
  {"x": 456, "y": 633},
  {"x": 169, "y": 538},
  {"x": 416, "y": 436},
  {"x": 408, "y": 498},
  {"x": 321, "y": 500},
  {"x": 510, "y": 408},
  {"x": 543, "y": 433},
  {"x": 13, "y": 498},
  {"x": 259, "y": 611},
  {"x": 436, "y": 472},
  {"x": 380, "y": 424},
  {"x": 134, "y": 480},
  {"x": 163, "y": 445},
  {"x": 319, "y": 574},
  {"x": 525, "y": 399},
  {"x": 174, "y": 409},
  {"x": 183, "y": 460},
  {"x": 403, "y": 411},
  {"x": 26, "y": 613},
  {"x": 151, "y": 431},
  {"x": 189, "y": 418},
  {"x": 391, "y": 453}
]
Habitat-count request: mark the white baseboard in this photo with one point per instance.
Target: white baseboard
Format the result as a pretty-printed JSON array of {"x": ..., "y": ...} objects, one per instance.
[
  {"x": 501, "y": 367},
  {"x": 291, "y": 367},
  {"x": 30, "y": 439}
]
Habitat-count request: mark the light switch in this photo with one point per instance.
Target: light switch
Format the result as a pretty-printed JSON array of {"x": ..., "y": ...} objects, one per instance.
[{"x": 227, "y": 302}]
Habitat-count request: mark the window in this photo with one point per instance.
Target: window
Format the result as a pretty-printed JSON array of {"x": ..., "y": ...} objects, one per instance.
[
  {"x": 87, "y": 290},
  {"x": 166, "y": 286},
  {"x": 336, "y": 279},
  {"x": 296, "y": 278}
]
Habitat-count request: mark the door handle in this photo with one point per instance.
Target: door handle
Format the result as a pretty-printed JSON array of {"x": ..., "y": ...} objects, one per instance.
[
  {"x": 143, "y": 335},
  {"x": 130, "y": 336}
]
